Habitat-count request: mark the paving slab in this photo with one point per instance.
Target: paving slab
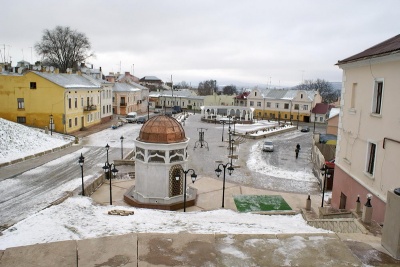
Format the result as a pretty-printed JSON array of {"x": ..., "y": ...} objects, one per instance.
[
  {"x": 108, "y": 251},
  {"x": 291, "y": 250},
  {"x": 58, "y": 254},
  {"x": 176, "y": 250}
]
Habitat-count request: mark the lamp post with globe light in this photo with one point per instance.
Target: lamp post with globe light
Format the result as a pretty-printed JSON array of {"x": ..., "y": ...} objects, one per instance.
[
  {"x": 81, "y": 161},
  {"x": 193, "y": 176},
  {"x": 218, "y": 173}
]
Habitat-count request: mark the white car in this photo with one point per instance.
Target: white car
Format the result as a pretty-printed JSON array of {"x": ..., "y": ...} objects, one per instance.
[{"x": 268, "y": 146}]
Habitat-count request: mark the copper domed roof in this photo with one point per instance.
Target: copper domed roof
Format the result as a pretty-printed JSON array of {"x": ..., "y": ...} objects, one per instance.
[{"x": 162, "y": 129}]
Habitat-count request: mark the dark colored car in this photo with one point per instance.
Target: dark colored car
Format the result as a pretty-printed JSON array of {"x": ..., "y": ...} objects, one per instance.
[
  {"x": 305, "y": 129},
  {"x": 141, "y": 120}
]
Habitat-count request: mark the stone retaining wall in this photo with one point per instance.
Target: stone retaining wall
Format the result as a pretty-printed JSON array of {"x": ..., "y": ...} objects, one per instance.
[
  {"x": 36, "y": 155},
  {"x": 339, "y": 225}
]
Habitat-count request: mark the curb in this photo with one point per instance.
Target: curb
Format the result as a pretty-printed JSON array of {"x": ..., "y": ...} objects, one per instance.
[{"x": 36, "y": 155}]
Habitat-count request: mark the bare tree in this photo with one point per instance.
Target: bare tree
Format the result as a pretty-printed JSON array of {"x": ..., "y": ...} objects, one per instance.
[
  {"x": 207, "y": 87},
  {"x": 324, "y": 88},
  {"x": 182, "y": 85},
  {"x": 229, "y": 90},
  {"x": 63, "y": 48}
]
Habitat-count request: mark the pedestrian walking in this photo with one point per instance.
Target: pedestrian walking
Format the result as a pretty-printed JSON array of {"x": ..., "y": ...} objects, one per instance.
[{"x": 297, "y": 150}]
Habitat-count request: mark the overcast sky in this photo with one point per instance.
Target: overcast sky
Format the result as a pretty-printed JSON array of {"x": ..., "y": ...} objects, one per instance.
[{"x": 234, "y": 42}]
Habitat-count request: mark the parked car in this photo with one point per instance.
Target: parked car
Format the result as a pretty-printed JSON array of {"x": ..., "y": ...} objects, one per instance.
[
  {"x": 305, "y": 129},
  {"x": 131, "y": 117},
  {"x": 141, "y": 120},
  {"x": 268, "y": 146}
]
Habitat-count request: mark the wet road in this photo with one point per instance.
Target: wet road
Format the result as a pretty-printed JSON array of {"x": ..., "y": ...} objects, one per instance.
[
  {"x": 27, "y": 193},
  {"x": 278, "y": 170}
]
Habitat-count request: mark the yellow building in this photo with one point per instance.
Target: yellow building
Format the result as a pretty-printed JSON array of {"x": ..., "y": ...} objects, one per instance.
[
  {"x": 62, "y": 102},
  {"x": 283, "y": 104}
]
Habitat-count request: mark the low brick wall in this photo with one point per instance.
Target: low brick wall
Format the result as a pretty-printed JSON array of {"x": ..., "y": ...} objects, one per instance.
[{"x": 267, "y": 133}]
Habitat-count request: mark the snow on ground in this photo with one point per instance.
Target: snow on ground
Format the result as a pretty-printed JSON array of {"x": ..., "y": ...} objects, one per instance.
[
  {"x": 18, "y": 141},
  {"x": 78, "y": 218},
  {"x": 256, "y": 164}
]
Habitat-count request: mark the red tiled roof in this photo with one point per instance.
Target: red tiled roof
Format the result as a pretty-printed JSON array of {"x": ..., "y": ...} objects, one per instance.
[
  {"x": 243, "y": 95},
  {"x": 321, "y": 108},
  {"x": 389, "y": 46}
]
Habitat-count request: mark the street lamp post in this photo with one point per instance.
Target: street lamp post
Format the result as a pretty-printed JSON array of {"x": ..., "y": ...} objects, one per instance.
[
  {"x": 107, "y": 148},
  {"x": 325, "y": 172},
  {"x": 148, "y": 110},
  {"x": 315, "y": 117},
  {"x": 223, "y": 127},
  {"x": 51, "y": 124},
  {"x": 122, "y": 148},
  {"x": 108, "y": 168},
  {"x": 193, "y": 177},
  {"x": 81, "y": 161},
  {"x": 218, "y": 173}
]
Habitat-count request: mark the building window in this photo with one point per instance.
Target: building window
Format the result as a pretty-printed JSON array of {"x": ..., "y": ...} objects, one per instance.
[
  {"x": 76, "y": 121},
  {"x": 258, "y": 104},
  {"x": 69, "y": 103},
  {"x": 277, "y": 105},
  {"x": 371, "y": 158},
  {"x": 69, "y": 123},
  {"x": 305, "y": 107},
  {"x": 21, "y": 119},
  {"x": 268, "y": 104},
  {"x": 377, "y": 104},
  {"x": 251, "y": 103},
  {"x": 353, "y": 96},
  {"x": 76, "y": 102},
  {"x": 286, "y": 106},
  {"x": 296, "y": 106},
  {"x": 255, "y": 93},
  {"x": 21, "y": 103},
  {"x": 82, "y": 102},
  {"x": 32, "y": 85}
]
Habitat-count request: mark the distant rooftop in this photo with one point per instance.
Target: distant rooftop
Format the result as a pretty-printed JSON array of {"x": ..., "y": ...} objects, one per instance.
[{"x": 150, "y": 78}]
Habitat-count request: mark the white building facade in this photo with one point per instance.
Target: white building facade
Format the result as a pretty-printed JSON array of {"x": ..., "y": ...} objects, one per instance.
[{"x": 368, "y": 148}]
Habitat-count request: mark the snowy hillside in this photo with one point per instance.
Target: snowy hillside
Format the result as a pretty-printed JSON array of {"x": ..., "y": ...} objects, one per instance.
[{"x": 18, "y": 141}]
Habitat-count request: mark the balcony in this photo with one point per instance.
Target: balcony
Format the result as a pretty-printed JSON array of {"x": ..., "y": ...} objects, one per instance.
[
  {"x": 122, "y": 104},
  {"x": 90, "y": 108}
]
